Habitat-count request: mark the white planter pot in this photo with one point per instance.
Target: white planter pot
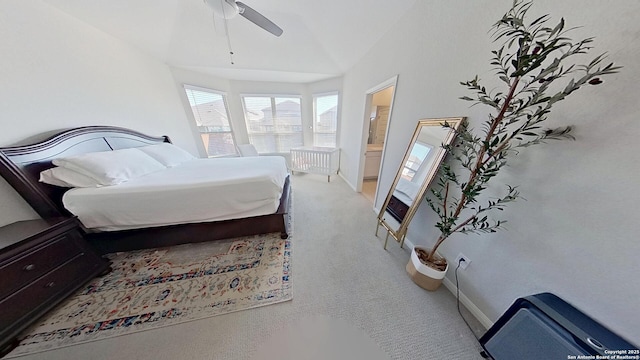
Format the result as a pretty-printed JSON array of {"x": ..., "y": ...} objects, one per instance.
[{"x": 424, "y": 276}]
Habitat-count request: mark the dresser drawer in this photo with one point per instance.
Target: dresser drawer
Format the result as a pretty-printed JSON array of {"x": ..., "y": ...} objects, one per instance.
[
  {"x": 33, "y": 264},
  {"x": 397, "y": 208},
  {"x": 35, "y": 299}
]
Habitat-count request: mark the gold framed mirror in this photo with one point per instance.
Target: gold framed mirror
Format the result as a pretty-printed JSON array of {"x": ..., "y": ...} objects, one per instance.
[{"x": 418, "y": 168}]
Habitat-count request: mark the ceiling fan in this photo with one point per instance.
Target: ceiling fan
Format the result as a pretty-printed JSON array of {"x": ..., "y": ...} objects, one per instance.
[{"x": 228, "y": 9}]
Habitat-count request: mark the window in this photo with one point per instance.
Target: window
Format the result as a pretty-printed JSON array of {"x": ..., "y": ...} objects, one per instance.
[
  {"x": 416, "y": 159},
  {"x": 274, "y": 124},
  {"x": 209, "y": 109},
  {"x": 325, "y": 119}
]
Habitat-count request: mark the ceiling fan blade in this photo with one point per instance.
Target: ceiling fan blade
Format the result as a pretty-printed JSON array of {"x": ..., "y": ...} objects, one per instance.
[{"x": 258, "y": 19}]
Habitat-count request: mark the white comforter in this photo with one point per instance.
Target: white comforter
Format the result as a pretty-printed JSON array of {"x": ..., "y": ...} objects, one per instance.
[{"x": 195, "y": 191}]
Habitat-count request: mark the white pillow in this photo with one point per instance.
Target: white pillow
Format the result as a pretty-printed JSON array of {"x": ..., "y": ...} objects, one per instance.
[
  {"x": 111, "y": 167},
  {"x": 167, "y": 154},
  {"x": 64, "y": 177}
]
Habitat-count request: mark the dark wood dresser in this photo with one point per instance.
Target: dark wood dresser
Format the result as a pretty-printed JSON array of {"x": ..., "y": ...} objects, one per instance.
[{"x": 41, "y": 263}]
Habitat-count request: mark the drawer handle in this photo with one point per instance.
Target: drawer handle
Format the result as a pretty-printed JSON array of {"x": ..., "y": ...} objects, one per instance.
[
  {"x": 29, "y": 267},
  {"x": 50, "y": 285}
]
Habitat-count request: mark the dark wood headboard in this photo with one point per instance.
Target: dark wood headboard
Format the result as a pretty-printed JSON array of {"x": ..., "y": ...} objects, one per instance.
[{"x": 21, "y": 165}]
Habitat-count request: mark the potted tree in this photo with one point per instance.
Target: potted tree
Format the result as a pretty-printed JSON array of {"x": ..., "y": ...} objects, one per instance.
[{"x": 535, "y": 64}]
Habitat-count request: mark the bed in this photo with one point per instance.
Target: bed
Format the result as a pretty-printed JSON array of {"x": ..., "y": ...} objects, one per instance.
[{"x": 22, "y": 165}]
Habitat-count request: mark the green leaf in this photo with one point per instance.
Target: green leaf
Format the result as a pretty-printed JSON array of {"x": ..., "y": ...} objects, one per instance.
[
  {"x": 541, "y": 19},
  {"x": 558, "y": 28}
]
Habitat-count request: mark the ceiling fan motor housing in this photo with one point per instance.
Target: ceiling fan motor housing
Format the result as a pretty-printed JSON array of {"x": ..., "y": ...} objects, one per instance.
[
  {"x": 222, "y": 8},
  {"x": 228, "y": 9}
]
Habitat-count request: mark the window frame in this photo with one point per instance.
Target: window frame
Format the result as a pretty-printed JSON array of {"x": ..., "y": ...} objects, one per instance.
[
  {"x": 314, "y": 116},
  {"x": 228, "y": 113}
]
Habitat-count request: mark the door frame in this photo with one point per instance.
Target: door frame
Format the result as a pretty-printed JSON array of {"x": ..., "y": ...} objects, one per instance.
[{"x": 393, "y": 81}]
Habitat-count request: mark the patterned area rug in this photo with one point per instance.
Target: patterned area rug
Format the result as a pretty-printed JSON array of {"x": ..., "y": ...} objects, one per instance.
[{"x": 158, "y": 287}]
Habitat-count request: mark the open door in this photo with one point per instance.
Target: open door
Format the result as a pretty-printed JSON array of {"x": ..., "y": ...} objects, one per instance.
[{"x": 377, "y": 116}]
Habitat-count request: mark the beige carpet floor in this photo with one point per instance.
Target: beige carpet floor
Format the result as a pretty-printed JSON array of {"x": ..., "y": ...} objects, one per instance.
[{"x": 340, "y": 274}]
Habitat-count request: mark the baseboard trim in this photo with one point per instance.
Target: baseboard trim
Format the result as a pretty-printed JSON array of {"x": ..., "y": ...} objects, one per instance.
[
  {"x": 347, "y": 181},
  {"x": 473, "y": 309}
]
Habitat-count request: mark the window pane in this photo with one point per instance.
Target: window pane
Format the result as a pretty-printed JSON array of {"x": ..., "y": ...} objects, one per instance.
[
  {"x": 274, "y": 124},
  {"x": 417, "y": 156},
  {"x": 328, "y": 140},
  {"x": 325, "y": 122},
  {"x": 211, "y": 116},
  {"x": 258, "y": 114},
  {"x": 288, "y": 114}
]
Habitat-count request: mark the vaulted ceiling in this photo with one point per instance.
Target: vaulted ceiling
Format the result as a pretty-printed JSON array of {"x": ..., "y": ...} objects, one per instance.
[{"x": 321, "y": 39}]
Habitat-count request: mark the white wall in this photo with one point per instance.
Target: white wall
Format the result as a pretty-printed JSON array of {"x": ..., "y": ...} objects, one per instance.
[
  {"x": 59, "y": 73},
  {"x": 576, "y": 235}
]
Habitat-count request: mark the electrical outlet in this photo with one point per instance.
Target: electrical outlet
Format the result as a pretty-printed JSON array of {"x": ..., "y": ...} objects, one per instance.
[{"x": 463, "y": 260}]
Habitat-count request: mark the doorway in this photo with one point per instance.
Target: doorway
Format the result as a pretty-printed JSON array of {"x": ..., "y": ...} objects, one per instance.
[{"x": 378, "y": 106}]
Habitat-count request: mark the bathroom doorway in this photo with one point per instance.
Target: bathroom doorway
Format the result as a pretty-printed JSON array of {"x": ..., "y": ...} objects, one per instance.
[{"x": 378, "y": 106}]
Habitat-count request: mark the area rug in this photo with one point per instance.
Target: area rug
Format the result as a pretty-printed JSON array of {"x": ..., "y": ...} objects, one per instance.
[{"x": 152, "y": 288}]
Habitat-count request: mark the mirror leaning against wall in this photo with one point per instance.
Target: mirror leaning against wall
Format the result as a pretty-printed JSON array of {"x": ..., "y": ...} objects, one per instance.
[{"x": 418, "y": 168}]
